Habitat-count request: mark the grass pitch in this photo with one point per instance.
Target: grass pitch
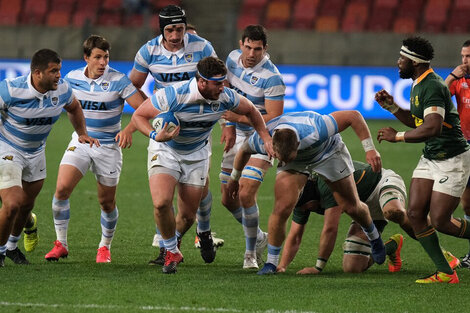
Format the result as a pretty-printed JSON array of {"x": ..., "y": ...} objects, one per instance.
[{"x": 128, "y": 284}]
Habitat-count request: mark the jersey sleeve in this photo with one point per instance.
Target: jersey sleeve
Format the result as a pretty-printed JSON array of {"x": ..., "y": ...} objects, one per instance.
[
  {"x": 69, "y": 96},
  {"x": 127, "y": 89},
  {"x": 234, "y": 98},
  {"x": 275, "y": 88},
  {"x": 142, "y": 59},
  {"x": 256, "y": 143},
  {"x": 164, "y": 99},
  {"x": 434, "y": 95},
  {"x": 209, "y": 50},
  {"x": 453, "y": 88},
  {"x": 5, "y": 97}
]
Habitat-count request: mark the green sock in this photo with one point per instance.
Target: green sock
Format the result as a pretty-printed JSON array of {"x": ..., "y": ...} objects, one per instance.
[
  {"x": 467, "y": 218},
  {"x": 464, "y": 228},
  {"x": 430, "y": 242},
  {"x": 390, "y": 247}
]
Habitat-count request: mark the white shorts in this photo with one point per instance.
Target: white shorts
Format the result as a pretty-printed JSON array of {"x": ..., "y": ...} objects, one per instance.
[
  {"x": 450, "y": 176},
  {"x": 333, "y": 168},
  {"x": 229, "y": 156},
  {"x": 104, "y": 161},
  {"x": 16, "y": 166},
  {"x": 390, "y": 185},
  {"x": 189, "y": 169}
]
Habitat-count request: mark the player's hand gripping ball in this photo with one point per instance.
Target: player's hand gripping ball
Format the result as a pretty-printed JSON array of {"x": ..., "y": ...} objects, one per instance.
[{"x": 164, "y": 118}]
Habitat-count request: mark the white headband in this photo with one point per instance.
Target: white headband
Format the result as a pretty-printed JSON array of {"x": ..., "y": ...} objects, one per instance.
[{"x": 413, "y": 55}]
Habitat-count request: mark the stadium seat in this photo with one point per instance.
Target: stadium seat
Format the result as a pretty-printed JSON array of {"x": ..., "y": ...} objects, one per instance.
[
  {"x": 382, "y": 15},
  {"x": 80, "y": 18},
  {"x": 277, "y": 15},
  {"x": 304, "y": 14},
  {"x": 9, "y": 11},
  {"x": 435, "y": 16},
  {"x": 386, "y": 4},
  {"x": 34, "y": 12},
  {"x": 133, "y": 20},
  {"x": 254, "y": 7},
  {"x": 158, "y": 4},
  {"x": 110, "y": 19},
  {"x": 62, "y": 5},
  {"x": 327, "y": 24},
  {"x": 332, "y": 8},
  {"x": 405, "y": 25},
  {"x": 410, "y": 8},
  {"x": 247, "y": 19},
  {"x": 88, "y": 5},
  {"x": 380, "y": 20},
  {"x": 58, "y": 19},
  {"x": 462, "y": 4},
  {"x": 111, "y": 5},
  {"x": 356, "y": 16},
  {"x": 458, "y": 21}
]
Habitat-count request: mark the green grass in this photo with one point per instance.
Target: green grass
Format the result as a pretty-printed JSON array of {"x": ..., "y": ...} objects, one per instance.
[{"x": 78, "y": 284}]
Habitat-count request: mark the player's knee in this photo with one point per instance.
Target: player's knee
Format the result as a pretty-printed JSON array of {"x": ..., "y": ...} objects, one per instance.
[
  {"x": 356, "y": 254},
  {"x": 441, "y": 223},
  {"x": 11, "y": 207},
  {"x": 63, "y": 192},
  {"x": 352, "y": 209},
  {"x": 415, "y": 215},
  {"x": 354, "y": 267},
  {"x": 161, "y": 207},
  {"x": 394, "y": 214}
]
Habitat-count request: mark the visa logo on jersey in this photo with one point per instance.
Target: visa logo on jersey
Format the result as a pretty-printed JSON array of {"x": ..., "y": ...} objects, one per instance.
[
  {"x": 39, "y": 121},
  {"x": 93, "y": 105},
  {"x": 174, "y": 77}
]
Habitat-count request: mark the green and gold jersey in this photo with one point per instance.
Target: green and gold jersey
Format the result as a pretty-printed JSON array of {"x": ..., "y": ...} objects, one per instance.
[
  {"x": 429, "y": 93},
  {"x": 320, "y": 198}
]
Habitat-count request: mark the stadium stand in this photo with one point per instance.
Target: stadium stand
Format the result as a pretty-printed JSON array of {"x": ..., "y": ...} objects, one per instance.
[
  {"x": 10, "y": 11},
  {"x": 401, "y": 16}
]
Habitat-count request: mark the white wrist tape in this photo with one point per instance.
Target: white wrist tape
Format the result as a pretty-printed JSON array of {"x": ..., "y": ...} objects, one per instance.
[
  {"x": 236, "y": 174},
  {"x": 391, "y": 107},
  {"x": 320, "y": 264},
  {"x": 368, "y": 144},
  {"x": 400, "y": 136}
]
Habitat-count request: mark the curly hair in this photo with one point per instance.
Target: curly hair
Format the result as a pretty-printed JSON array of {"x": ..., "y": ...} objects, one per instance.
[{"x": 420, "y": 46}]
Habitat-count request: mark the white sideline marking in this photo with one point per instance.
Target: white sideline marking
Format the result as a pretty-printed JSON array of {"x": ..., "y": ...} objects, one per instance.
[{"x": 142, "y": 308}]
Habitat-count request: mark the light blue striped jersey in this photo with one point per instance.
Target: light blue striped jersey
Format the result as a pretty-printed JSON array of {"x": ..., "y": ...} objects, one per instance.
[
  {"x": 317, "y": 134},
  {"x": 168, "y": 67},
  {"x": 102, "y": 101},
  {"x": 27, "y": 115},
  {"x": 257, "y": 83},
  {"x": 196, "y": 115}
]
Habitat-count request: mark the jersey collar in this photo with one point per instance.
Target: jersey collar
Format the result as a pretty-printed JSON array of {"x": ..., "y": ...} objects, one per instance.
[
  {"x": 169, "y": 54},
  {"x": 98, "y": 80},
  {"x": 423, "y": 76},
  {"x": 250, "y": 70},
  {"x": 33, "y": 90}
]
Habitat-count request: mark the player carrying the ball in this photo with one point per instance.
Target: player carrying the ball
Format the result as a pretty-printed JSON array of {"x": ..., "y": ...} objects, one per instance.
[{"x": 180, "y": 158}]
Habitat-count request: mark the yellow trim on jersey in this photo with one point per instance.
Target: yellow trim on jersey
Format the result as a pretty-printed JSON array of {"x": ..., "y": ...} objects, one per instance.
[
  {"x": 420, "y": 78},
  {"x": 362, "y": 176}
]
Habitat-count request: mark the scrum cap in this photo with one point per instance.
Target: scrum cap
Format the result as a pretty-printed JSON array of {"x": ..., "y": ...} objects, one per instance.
[{"x": 170, "y": 15}]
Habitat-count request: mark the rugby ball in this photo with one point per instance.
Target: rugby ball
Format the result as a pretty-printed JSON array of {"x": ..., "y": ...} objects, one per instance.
[{"x": 164, "y": 118}]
